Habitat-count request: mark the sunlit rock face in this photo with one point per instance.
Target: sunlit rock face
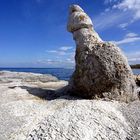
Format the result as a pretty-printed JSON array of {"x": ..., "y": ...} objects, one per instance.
[{"x": 101, "y": 68}]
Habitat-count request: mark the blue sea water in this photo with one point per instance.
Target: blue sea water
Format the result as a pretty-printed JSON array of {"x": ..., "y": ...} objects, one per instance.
[
  {"x": 60, "y": 73},
  {"x": 136, "y": 71}
]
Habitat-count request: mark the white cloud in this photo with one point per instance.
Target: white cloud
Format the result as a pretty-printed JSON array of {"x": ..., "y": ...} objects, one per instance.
[
  {"x": 61, "y": 57},
  {"x": 129, "y": 38},
  {"x": 56, "y": 52},
  {"x": 133, "y": 54},
  {"x": 61, "y": 51},
  {"x": 70, "y": 60},
  {"x": 133, "y": 57},
  {"x": 65, "y": 48},
  {"x": 123, "y": 25},
  {"x": 48, "y": 61},
  {"x": 131, "y": 35},
  {"x": 61, "y": 62},
  {"x": 109, "y": 1},
  {"x": 51, "y": 51},
  {"x": 107, "y": 9},
  {"x": 130, "y": 5},
  {"x": 119, "y": 13},
  {"x": 109, "y": 19}
]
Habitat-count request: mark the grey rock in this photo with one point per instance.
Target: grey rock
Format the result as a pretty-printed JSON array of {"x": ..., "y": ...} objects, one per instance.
[
  {"x": 25, "y": 115},
  {"x": 101, "y": 67},
  {"x": 137, "y": 79},
  {"x": 89, "y": 120},
  {"x": 23, "y": 104},
  {"x": 7, "y": 76}
]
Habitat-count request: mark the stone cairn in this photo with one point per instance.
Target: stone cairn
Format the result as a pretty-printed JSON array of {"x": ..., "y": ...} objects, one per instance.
[{"x": 101, "y": 69}]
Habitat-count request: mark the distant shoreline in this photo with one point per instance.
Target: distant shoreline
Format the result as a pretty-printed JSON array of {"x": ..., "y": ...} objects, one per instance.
[
  {"x": 136, "y": 66},
  {"x": 32, "y": 68}
]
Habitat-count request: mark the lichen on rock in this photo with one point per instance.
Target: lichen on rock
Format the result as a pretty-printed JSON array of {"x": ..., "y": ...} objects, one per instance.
[{"x": 101, "y": 67}]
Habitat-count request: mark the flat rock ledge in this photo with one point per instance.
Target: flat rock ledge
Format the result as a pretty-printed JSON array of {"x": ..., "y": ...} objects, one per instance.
[
  {"x": 35, "y": 110},
  {"x": 24, "y": 100}
]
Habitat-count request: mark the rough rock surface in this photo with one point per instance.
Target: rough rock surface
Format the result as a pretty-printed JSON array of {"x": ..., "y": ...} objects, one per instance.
[
  {"x": 101, "y": 68},
  {"x": 35, "y": 110},
  {"x": 7, "y": 76},
  {"x": 23, "y": 104},
  {"x": 137, "y": 79},
  {"x": 89, "y": 120}
]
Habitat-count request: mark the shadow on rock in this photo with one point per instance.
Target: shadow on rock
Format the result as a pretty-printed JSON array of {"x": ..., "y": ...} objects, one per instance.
[
  {"x": 48, "y": 94},
  {"x": 41, "y": 93}
]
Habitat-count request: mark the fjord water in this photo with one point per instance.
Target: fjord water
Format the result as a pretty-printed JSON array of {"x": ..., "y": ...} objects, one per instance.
[{"x": 60, "y": 73}]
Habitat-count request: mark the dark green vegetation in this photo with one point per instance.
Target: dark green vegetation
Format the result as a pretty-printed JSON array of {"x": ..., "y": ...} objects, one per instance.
[{"x": 136, "y": 66}]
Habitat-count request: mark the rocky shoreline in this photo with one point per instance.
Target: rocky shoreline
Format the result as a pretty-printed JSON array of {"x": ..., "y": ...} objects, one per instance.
[
  {"x": 33, "y": 108},
  {"x": 136, "y": 66},
  {"x": 99, "y": 102},
  {"x": 24, "y": 99}
]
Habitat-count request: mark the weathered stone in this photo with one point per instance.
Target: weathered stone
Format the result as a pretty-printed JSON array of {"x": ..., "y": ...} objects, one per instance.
[
  {"x": 89, "y": 120},
  {"x": 25, "y": 115},
  {"x": 137, "y": 79},
  {"x": 23, "y": 103},
  {"x": 100, "y": 66}
]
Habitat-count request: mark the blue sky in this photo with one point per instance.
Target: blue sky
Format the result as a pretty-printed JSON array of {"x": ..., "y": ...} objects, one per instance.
[{"x": 33, "y": 32}]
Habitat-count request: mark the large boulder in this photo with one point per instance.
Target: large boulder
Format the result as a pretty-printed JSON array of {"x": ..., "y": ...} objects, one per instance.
[{"x": 101, "y": 68}]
